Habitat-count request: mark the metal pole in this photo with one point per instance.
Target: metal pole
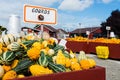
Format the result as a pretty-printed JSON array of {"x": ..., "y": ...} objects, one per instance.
[
  {"x": 107, "y": 33},
  {"x": 80, "y": 28},
  {"x": 42, "y": 26}
]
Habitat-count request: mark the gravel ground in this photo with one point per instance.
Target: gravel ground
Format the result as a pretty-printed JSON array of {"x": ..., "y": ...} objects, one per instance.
[{"x": 112, "y": 67}]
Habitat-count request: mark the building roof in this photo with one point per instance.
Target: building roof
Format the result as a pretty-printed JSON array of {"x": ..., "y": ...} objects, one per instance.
[
  {"x": 62, "y": 31},
  {"x": 50, "y": 28},
  {"x": 83, "y": 30}
]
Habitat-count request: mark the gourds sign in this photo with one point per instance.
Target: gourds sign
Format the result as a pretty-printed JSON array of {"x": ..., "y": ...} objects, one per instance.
[{"x": 39, "y": 15}]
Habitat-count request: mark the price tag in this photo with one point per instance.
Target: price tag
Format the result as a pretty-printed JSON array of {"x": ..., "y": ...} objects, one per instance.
[{"x": 63, "y": 42}]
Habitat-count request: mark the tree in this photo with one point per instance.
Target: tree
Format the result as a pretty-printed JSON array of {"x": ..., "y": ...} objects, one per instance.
[{"x": 113, "y": 21}]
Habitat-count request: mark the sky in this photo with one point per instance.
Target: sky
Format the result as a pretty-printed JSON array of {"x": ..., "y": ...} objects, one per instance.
[{"x": 71, "y": 14}]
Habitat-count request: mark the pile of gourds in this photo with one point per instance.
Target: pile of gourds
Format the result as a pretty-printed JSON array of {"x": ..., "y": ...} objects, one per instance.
[
  {"x": 99, "y": 40},
  {"x": 30, "y": 57}
]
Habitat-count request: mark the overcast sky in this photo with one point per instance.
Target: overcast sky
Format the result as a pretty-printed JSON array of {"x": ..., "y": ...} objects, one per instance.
[{"x": 70, "y": 12}]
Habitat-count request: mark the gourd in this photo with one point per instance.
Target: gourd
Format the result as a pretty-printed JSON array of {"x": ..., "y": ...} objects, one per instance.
[
  {"x": 56, "y": 67},
  {"x": 6, "y": 68},
  {"x": 92, "y": 62},
  {"x": 23, "y": 65},
  {"x": 1, "y": 48},
  {"x": 66, "y": 54},
  {"x": 30, "y": 36},
  {"x": 67, "y": 62},
  {"x": 81, "y": 55},
  {"x": 37, "y": 69},
  {"x": 7, "y": 57},
  {"x": 1, "y": 71},
  {"x": 51, "y": 52},
  {"x": 43, "y": 59},
  {"x": 58, "y": 47},
  {"x": 72, "y": 55},
  {"x": 45, "y": 35},
  {"x": 85, "y": 64},
  {"x": 7, "y": 39},
  {"x": 56, "y": 41},
  {"x": 75, "y": 66},
  {"x": 60, "y": 58},
  {"x": 14, "y": 46},
  {"x": 9, "y": 75},
  {"x": 20, "y": 76}
]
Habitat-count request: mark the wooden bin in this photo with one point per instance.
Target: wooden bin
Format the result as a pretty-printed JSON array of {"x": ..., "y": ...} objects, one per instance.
[{"x": 97, "y": 73}]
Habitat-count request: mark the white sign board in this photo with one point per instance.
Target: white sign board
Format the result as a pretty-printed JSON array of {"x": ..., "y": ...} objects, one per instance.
[
  {"x": 39, "y": 15},
  {"x": 63, "y": 42}
]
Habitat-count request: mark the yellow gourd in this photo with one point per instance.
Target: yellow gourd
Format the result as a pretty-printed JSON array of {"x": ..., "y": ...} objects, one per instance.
[
  {"x": 75, "y": 66},
  {"x": 14, "y": 64},
  {"x": 67, "y": 62},
  {"x": 85, "y": 64},
  {"x": 39, "y": 70},
  {"x": 33, "y": 53},
  {"x": 1, "y": 71},
  {"x": 92, "y": 62},
  {"x": 9, "y": 75},
  {"x": 20, "y": 76},
  {"x": 72, "y": 55},
  {"x": 6, "y": 68},
  {"x": 60, "y": 58}
]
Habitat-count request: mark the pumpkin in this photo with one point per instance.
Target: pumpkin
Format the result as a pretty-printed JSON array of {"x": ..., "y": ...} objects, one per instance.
[{"x": 1, "y": 71}]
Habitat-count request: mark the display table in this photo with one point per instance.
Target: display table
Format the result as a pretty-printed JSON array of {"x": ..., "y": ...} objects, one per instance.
[
  {"x": 90, "y": 47},
  {"x": 76, "y": 46},
  {"x": 114, "y": 51},
  {"x": 97, "y": 73}
]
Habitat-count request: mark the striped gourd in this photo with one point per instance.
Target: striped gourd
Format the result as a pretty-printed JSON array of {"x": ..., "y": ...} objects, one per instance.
[
  {"x": 43, "y": 59},
  {"x": 23, "y": 66},
  {"x": 14, "y": 46},
  {"x": 56, "y": 67},
  {"x": 7, "y": 57},
  {"x": 7, "y": 39},
  {"x": 82, "y": 55},
  {"x": 58, "y": 47}
]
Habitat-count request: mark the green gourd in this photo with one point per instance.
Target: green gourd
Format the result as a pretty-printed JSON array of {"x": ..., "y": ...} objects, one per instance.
[
  {"x": 56, "y": 67},
  {"x": 7, "y": 57},
  {"x": 43, "y": 59}
]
